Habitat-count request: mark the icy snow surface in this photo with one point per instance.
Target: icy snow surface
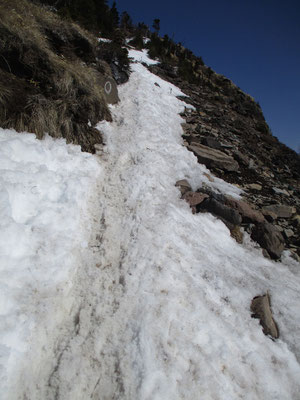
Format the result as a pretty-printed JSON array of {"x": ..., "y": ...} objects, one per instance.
[{"x": 162, "y": 297}]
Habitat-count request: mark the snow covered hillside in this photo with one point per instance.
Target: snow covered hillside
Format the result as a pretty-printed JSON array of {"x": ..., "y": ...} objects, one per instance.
[{"x": 112, "y": 289}]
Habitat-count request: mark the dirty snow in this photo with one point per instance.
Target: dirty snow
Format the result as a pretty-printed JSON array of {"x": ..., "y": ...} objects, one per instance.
[{"x": 159, "y": 307}]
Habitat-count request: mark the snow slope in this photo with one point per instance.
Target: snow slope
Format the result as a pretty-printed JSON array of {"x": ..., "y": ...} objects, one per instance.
[
  {"x": 45, "y": 226},
  {"x": 162, "y": 298}
]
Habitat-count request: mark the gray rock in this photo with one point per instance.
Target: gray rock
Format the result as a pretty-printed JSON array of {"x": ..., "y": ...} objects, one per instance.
[
  {"x": 227, "y": 214},
  {"x": 288, "y": 233},
  {"x": 119, "y": 75},
  {"x": 212, "y": 142},
  {"x": 237, "y": 234},
  {"x": 280, "y": 210},
  {"x": 280, "y": 191},
  {"x": 269, "y": 215},
  {"x": 247, "y": 212},
  {"x": 240, "y": 157},
  {"x": 296, "y": 220},
  {"x": 254, "y": 186},
  {"x": 269, "y": 238},
  {"x": 194, "y": 198},
  {"x": 213, "y": 158},
  {"x": 261, "y": 308},
  {"x": 184, "y": 186}
]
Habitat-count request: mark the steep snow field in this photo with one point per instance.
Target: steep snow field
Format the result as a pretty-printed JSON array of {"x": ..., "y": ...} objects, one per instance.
[{"x": 112, "y": 289}]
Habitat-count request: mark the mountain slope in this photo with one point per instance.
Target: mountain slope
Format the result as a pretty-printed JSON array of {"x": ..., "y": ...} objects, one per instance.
[{"x": 162, "y": 304}]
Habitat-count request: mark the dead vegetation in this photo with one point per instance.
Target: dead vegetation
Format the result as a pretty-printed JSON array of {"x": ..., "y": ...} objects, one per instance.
[{"x": 50, "y": 78}]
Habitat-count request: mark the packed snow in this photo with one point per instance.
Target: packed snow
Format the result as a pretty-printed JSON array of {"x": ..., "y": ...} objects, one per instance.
[
  {"x": 44, "y": 229},
  {"x": 141, "y": 56},
  {"x": 112, "y": 289}
]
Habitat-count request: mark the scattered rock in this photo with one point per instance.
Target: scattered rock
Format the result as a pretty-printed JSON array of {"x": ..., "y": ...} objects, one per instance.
[
  {"x": 280, "y": 191},
  {"x": 213, "y": 158},
  {"x": 294, "y": 255},
  {"x": 261, "y": 308},
  {"x": 280, "y": 210},
  {"x": 237, "y": 234},
  {"x": 254, "y": 186},
  {"x": 227, "y": 214},
  {"x": 226, "y": 125},
  {"x": 296, "y": 220},
  {"x": 287, "y": 233},
  {"x": 247, "y": 212},
  {"x": 194, "y": 198},
  {"x": 212, "y": 142},
  {"x": 241, "y": 158},
  {"x": 269, "y": 215},
  {"x": 269, "y": 238},
  {"x": 184, "y": 186}
]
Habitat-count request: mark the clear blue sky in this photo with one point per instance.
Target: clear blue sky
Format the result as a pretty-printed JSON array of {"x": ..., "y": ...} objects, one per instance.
[{"x": 254, "y": 43}]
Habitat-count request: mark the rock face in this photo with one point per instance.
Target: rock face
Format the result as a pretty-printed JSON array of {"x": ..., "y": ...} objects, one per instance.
[
  {"x": 261, "y": 308},
  {"x": 213, "y": 158},
  {"x": 269, "y": 238}
]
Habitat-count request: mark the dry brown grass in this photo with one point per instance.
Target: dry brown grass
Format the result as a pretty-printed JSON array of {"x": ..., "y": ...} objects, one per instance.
[{"x": 50, "y": 80}]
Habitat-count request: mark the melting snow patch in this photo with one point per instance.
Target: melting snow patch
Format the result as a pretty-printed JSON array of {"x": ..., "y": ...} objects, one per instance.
[
  {"x": 104, "y": 40},
  {"x": 141, "y": 56}
]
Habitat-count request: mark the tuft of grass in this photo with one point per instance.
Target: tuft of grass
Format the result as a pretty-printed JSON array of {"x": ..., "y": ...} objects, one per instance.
[{"x": 50, "y": 77}]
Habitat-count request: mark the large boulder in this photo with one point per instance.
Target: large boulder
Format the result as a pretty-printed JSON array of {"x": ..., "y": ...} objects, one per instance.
[
  {"x": 213, "y": 158},
  {"x": 269, "y": 238}
]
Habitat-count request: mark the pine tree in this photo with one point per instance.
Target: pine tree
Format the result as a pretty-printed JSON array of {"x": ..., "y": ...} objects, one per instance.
[
  {"x": 114, "y": 15},
  {"x": 156, "y": 25},
  {"x": 126, "y": 22}
]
